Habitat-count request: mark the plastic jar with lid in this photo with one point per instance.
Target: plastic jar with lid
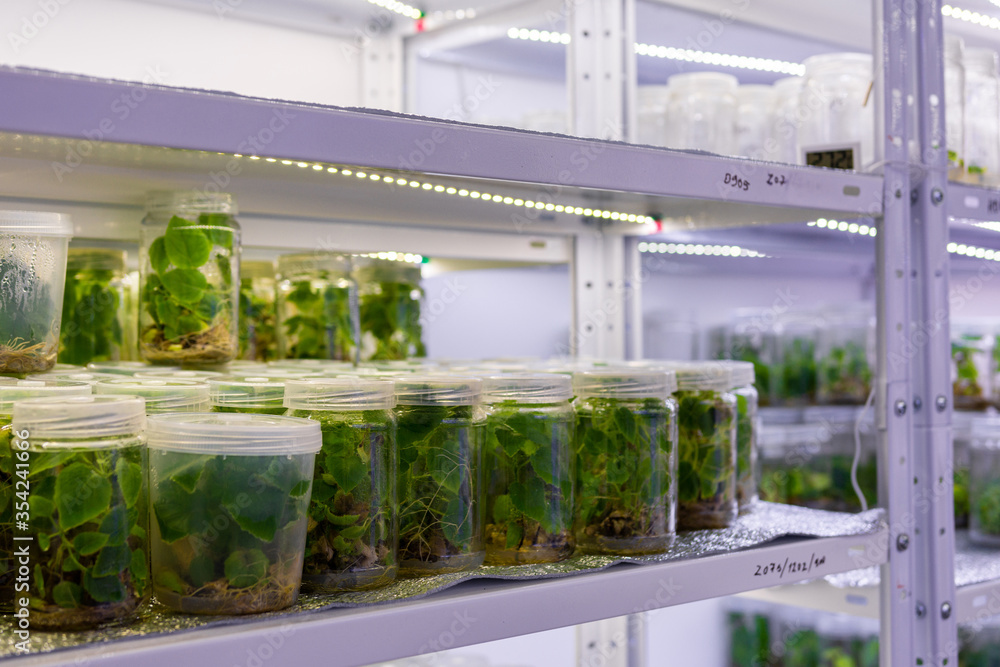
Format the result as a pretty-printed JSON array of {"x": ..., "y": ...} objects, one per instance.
[
  {"x": 741, "y": 379},
  {"x": 753, "y": 121},
  {"x": 317, "y": 307},
  {"x": 33, "y": 250},
  {"x": 162, "y": 395},
  {"x": 253, "y": 394},
  {"x": 971, "y": 364},
  {"x": 353, "y": 538},
  {"x": 12, "y": 390},
  {"x": 984, "y": 481},
  {"x": 529, "y": 468},
  {"x": 954, "y": 104},
  {"x": 706, "y": 443},
  {"x": 89, "y": 521},
  {"x": 74, "y": 376},
  {"x": 793, "y": 373},
  {"x": 830, "y": 486},
  {"x": 785, "y": 448},
  {"x": 840, "y": 115},
  {"x": 126, "y": 368},
  {"x": 845, "y": 347},
  {"x": 651, "y": 114},
  {"x": 701, "y": 112},
  {"x": 626, "y": 475},
  {"x": 229, "y": 496},
  {"x": 189, "y": 264},
  {"x": 389, "y": 294},
  {"x": 750, "y": 336},
  {"x": 982, "y": 116},
  {"x": 961, "y": 438},
  {"x": 786, "y": 118},
  {"x": 442, "y": 435},
  {"x": 93, "y": 308},
  {"x": 257, "y": 311},
  {"x": 197, "y": 376}
]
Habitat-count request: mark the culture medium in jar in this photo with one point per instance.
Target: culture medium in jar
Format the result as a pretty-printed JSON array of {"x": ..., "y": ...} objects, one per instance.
[
  {"x": 317, "y": 307},
  {"x": 839, "y": 130},
  {"x": 161, "y": 395},
  {"x": 89, "y": 512},
  {"x": 442, "y": 432},
  {"x": 529, "y": 468},
  {"x": 389, "y": 293},
  {"x": 741, "y": 379},
  {"x": 353, "y": 538},
  {"x": 254, "y": 394},
  {"x": 93, "y": 308},
  {"x": 626, "y": 468},
  {"x": 189, "y": 272},
  {"x": 257, "y": 318},
  {"x": 701, "y": 112},
  {"x": 984, "y": 482},
  {"x": 229, "y": 497}
]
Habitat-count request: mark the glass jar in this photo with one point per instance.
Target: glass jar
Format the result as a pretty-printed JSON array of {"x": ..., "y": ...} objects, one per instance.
[
  {"x": 260, "y": 395},
  {"x": 161, "y": 395},
  {"x": 93, "y": 307},
  {"x": 130, "y": 317},
  {"x": 651, "y": 115},
  {"x": 786, "y": 118},
  {"x": 701, "y": 112},
  {"x": 793, "y": 380},
  {"x": 229, "y": 497},
  {"x": 353, "y": 537},
  {"x": 961, "y": 439},
  {"x": 442, "y": 432},
  {"x": 317, "y": 307},
  {"x": 89, "y": 513},
  {"x": 845, "y": 347},
  {"x": 189, "y": 263},
  {"x": 626, "y": 441},
  {"x": 954, "y": 105},
  {"x": 982, "y": 116},
  {"x": 257, "y": 311},
  {"x": 753, "y": 121},
  {"x": 12, "y": 390},
  {"x": 984, "y": 482},
  {"x": 747, "y": 424},
  {"x": 389, "y": 293},
  {"x": 529, "y": 468},
  {"x": 838, "y": 110},
  {"x": 706, "y": 441},
  {"x": 971, "y": 366},
  {"x": 785, "y": 450},
  {"x": 32, "y": 274}
]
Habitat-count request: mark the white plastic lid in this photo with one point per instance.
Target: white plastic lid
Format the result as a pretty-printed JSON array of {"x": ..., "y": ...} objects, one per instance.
[
  {"x": 741, "y": 373},
  {"x": 702, "y": 375},
  {"x": 533, "y": 388},
  {"x": 12, "y": 390},
  {"x": 128, "y": 368},
  {"x": 284, "y": 373},
  {"x": 161, "y": 395},
  {"x": 624, "y": 383},
  {"x": 233, "y": 434},
  {"x": 837, "y": 416},
  {"x": 343, "y": 394},
  {"x": 844, "y": 63},
  {"x": 715, "y": 81},
  {"x": 75, "y": 376},
  {"x": 334, "y": 265},
  {"x": 170, "y": 201},
  {"x": 35, "y": 223},
  {"x": 238, "y": 391},
  {"x": 309, "y": 364},
  {"x": 428, "y": 389},
  {"x": 177, "y": 375},
  {"x": 75, "y": 418}
]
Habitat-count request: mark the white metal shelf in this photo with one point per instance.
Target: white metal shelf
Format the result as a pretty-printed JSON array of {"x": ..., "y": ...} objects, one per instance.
[{"x": 973, "y": 203}]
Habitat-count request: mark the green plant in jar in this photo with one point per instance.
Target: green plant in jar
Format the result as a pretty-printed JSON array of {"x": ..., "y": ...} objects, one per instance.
[
  {"x": 88, "y": 507},
  {"x": 352, "y": 537},
  {"x": 93, "y": 306},
  {"x": 967, "y": 385},
  {"x": 845, "y": 376},
  {"x": 317, "y": 307},
  {"x": 529, "y": 469},
  {"x": 749, "y": 639},
  {"x": 258, "y": 394},
  {"x": 229, "y": 495},
  {"x": 258, "y": 341},
  {"x": 797, "y": 371},
  {"x": 389, "y": 294}
]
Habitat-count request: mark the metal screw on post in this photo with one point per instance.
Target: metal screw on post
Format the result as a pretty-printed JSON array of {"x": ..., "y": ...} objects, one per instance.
[
  {"x": 945, "y": 610},
  {"x": 902, "y": 542},
  {"x": 917, "y": 404},
  {"x": 900, "y": 408},
  {"x": 941, "y": 403},
  {"x": 921, "y": 610},
  {"x": 937, "y": 196}
]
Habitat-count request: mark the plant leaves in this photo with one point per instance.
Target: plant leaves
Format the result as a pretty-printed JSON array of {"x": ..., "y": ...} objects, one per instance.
[
  {"x": 300, "y": 489},
  {"x": 186, "y": 248},
  {"x": 168, "y": 579},
  {"x": 112, "y": 560},
  {"x": 104, "y": 589},
  {"x": 158, "y": 255},
  {"x": 186, "y": 285},
  {"x": 40, "y": 507},
  {"x": 130, "y": 479},
  {"x": 515, "y": 533},
  {"x": 501, "y": 508},
  {"x": 81, "y": 495},
  {"x": 201, "y": 570},
  {"x": 245, "y": 568},
  {"x": 67, "y": 595},
  {"x": 347, "y": 471},
  {"x": 115, "y": 525},
  {"x": 89, "y": 542}
]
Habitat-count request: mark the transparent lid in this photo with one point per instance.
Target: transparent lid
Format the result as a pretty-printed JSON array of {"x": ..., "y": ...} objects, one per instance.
[
  {"x": 244, "y": 366},
  {"x": 342, "y": 393},
  {"x": 75, "y": 418},
  {"x": 244, "y": 391},
  {"x": 68, "y": 367},
  {"x": 854, "y": 64},
  {"x": 177, "y": 375},
  {"x": 429, "y": 389},
  {"x": 95, "y": 259},
  {"x": 233, "y": 434},
  {"x": 961, "y": 424},
  {"x": 35, "y": 223},
  {"x": 755, "y": 94},
  {"x": 128, "y": 368},
  {"x": 314, "y": 263},
  {"x": 624, "y": 383},
  {"x": 704, "y": 81},
  {"x": 194, "y": 200},
  {"x": 256, "y": 269},
  {"x": 702, "y": 375},
  {"x": 741, "y": 373},
  {"x": 310, "y": 365},
  {"x": 162, "y": 395},
  {"x": 283, "y": 373},
  {"x": 980, "y": 59},
  {"x": 373, "y": 270},
  {"x": 790, "y": 85},
  {"x": 534, "y": 388},
  {"x": 12, "y": 389},
  {"x": 74, "y": 376}
]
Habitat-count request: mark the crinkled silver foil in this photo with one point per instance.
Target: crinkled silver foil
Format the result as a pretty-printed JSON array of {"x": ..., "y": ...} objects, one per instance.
[
  {"x": 974, "y": 564},
  {"x": 869, "y": 576},
  {"x": 767, "y": 522}
]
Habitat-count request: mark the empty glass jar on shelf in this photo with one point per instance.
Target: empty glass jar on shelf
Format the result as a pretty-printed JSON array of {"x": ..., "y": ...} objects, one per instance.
[
  {"x": 839, "y": 129},
  {"x": 753, "y": 121},
  {"x": 701, "y": 112}
]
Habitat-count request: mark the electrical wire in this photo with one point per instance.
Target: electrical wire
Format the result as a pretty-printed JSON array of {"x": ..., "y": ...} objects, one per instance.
[{"x": 857, "y": 450}]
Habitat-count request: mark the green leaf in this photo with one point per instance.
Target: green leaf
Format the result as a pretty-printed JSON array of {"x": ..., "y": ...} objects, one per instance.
[
  {"x": 130, "y": 479},
  {"x": 515, "y": 533},
  {"x": 167, "y": 312},
  {"x": 158, "y": 255},
  {"x": 261, "y": 528},
  {"x": 112, "y": 560},
  {"x": 40, "y": 507},
  {"x": 201, "y": 571},
  {"x": 89, "y": 542},
  {"x": 115, "y": 525},
  {"x": 168, "y": 579},
  {"x": 172, "y": 510},
  {"x": 186, "y": 285},
  {"x": 44, "y": 542},
  {"x": 245, "y": 568},
  {"x": 39, "y": 580},
  {"x": 67, "y": 595},
  {"x": 104, "y": 589},
  {"x": 354, "y": 532},
  {"x": 529, "y": 498},
  {"x": 627, "y": 423},
  {"x": 42, "y": 461},
  {"x": 139, "y": 567},
  {"x": 187, "y": 248},
  {"x": 342, "y": 520},
  {"x": 501, "y": 508},
  {"x": 347, "y": 471},
  {"x": 81, "y": 495},
  {"x": 300, "y": 489}
]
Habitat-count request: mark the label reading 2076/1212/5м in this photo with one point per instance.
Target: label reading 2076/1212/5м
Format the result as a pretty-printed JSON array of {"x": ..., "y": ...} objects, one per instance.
[{"x": 789, "y": 566}]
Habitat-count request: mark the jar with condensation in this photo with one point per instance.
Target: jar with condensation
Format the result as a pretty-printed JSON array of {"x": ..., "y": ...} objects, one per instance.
[
  {"x": 651, "y": 115},
  {"x": 89, "y": 510},
  {"x": 94, "y": 319},
  {"x": 529, "y": 468},
  {"x": 389, "y": 295},
  {"x": 701, "y": 112},
  {"x": 954, "y": 104},
  {"x": 442, "y": 434},
  {"x": 786, "y": 118},
  {"x": 317, "y": 305},
  {"x": 11, "y": 390},
  {"x": 741, "y": 381},
  {"x": 982, "y": 116},
  {"x": 189, "y": 263},
  {"x": 838, "y": 110},
  {"x": 260, "y": 395},
  {"x": 161, "y": 395},
  {"x": 753, "y": 121},
  {"x": 984, "y": 481},
  {"x": 258, "y": 340},
  {"x": 353, "y": 536},
  {"x": 626, "y": 475}
]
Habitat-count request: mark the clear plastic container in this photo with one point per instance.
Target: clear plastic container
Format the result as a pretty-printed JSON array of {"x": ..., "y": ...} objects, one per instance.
[
  {"x": 529, "y": 468},
  {"x": 32, "y": 274},
  {"x": 89, "y": 509},
  {"x": 161, "y": 396},
  {"x": 15, "y": 390},
  {"x": 793, "y": 376},
  {"x": 982, "y": 116},
  {"x": 189, "y": 263},
  {"x": 961, "y": 433},
  {"x": 93, "y": 308},
  {"x": 626, "y": 440},
  {"x": 229, "y": 497},
  {"x": 838, "y": 111},
  {"x": 701, "y": 112},
  {"x": 389, "y": 293},
  {"x": 954, "y": 104},
  {"x": 442, "y": 435},
  {"x": 126, "y": 368},
  {"x": 747, "y": 424},
  {"x": 353, "y": 537},
  {"x": 786, "y": 118},
  {"x": 254, "y": 394},
  {"x": 130, "y": 346},
  {"x": 73, "y": 376},
  {"x": 317, "y": 307},
  {"x": 258, "y": 284},
  {"x": 971, "y": 365},
  {"x": 984, "y": 481},
  {"x": 651, "y": 115},
  {"x": 751, "y": 336},
  {"x": 845, "y": 350},
  {"x": 753, "y": 121}
]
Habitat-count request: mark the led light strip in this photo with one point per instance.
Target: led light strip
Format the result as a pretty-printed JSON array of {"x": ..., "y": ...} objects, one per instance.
[
  {"x": 984, "y": 20},
  {"x": 849, "y": 227},
  {"x": 993, "y": 226},
  {"x": 539, "y": 36},
  {"x": 703, "y": 249},
  {"x": 974, "y": 251},
  {"x": 398, "y": 7},
  {"x": 408, "y": 257}
]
